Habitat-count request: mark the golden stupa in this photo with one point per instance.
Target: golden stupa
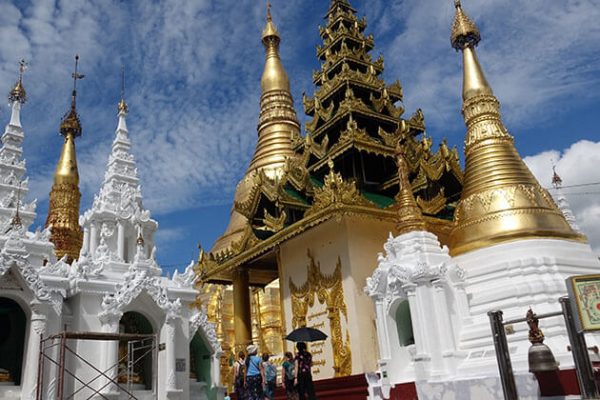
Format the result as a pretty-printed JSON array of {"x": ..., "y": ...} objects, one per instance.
[
  {"x": 63, "y": 209},
  {"x": 501, "y": 199},
  {"x": 277, "y": 125}
]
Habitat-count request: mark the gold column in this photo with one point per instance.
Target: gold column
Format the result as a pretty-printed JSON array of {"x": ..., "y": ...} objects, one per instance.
[{"x": 241, "y": 310}]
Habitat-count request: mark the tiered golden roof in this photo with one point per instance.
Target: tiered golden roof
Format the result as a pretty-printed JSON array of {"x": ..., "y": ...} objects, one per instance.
[
  {"x": 63, "y": 210},
  {"x": 346, "y": 164},
  {"x": 501, "y": 199}
]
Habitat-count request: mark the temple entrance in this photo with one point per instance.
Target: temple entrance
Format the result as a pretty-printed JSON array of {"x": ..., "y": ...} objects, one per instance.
[
  {"x": 140, "y": 377},
  {"x": 12, "y": 341},
  {"x": 404, "y": 324},
  {"x": 200, "y": 369}
]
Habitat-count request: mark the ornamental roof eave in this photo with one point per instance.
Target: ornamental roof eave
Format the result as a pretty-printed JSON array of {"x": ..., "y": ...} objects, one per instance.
[
  {"x": 296, "y": 229},
  {"x": 369, "y": 43},
  {"x": 339, "y": 116}
]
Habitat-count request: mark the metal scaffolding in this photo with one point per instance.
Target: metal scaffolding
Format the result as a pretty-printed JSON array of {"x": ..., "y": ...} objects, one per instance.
[{"x": 54, "y": 351}]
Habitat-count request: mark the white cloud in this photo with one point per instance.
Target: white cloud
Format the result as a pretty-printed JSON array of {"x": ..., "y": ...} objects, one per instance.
[
  {"x": 193, "y": 71},
  {"x": 576, "y": 165},
  {"x": 538, "y": 56}
]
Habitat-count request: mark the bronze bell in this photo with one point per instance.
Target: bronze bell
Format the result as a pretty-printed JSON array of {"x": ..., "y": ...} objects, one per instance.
[{"x": 541, "y": 358}]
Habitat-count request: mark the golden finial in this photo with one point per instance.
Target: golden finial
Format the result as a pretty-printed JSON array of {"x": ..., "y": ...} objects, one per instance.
[
  {"x": 122, "y": 105},
  {"x": 270, "y": 35},
  {"x": 70, "y": 123},
  {"x": 18, "y": 92},
  {"x": 464, "y": 31},
  {"x": 410, "y": 216}
]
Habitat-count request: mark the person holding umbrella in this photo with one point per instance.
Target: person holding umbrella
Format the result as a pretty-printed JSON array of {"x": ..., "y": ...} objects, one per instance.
[
  {"x": 303, "y": 361},
  {"x": 255, "y": 374},
  {"x": 303, "y": 379}
]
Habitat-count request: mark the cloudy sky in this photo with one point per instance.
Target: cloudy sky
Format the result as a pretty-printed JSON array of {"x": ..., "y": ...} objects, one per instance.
[{"x": 193, "y": 69}]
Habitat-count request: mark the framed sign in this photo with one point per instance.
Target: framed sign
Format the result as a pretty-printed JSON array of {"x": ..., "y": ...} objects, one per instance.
[
  {"x": 180, "y": 365},
  {"x": 584, "y": 293}
]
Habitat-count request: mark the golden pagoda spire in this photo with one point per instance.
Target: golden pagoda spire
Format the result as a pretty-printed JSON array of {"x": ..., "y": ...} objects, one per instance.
[
  {"x": 18, "y": 92},
  {"x": 63, "y": 210},
  {"x": 501, "y": 199},
  {"x": 277, "y": 125},
  {"x": 278, "y": 120},
  {"x": 410, "y": 217},
  {"x": 122, "y": 107}
]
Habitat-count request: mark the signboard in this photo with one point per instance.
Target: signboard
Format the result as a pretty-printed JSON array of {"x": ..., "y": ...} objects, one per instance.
[
  {"x": 584, "y": 295},
  {"x": 180, "y": 365}
]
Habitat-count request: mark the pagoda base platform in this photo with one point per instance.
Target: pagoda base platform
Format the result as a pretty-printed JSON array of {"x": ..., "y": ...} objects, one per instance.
[
  {"x": 547, "y": 385},
  {"x": 345, "y": 388}
]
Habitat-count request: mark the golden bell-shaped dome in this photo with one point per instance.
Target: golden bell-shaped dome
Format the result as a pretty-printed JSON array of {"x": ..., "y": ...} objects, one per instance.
[{"x": 501, "y": 199}]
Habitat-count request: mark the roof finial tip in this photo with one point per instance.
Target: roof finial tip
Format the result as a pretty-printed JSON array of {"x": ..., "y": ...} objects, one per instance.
[
  {"x": 457, "y": 3},
  {"x": 122, "y": 104}
]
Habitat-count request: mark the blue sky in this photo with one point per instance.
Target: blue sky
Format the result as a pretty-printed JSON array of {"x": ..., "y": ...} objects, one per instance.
[{"x": 193, "y": 71}]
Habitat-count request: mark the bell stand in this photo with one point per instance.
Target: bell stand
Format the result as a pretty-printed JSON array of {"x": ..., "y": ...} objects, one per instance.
[{"x": 581, "y": 358}]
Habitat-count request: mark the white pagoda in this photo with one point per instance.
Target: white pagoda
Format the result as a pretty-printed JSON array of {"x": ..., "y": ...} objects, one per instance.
[{"x": 114, "y": 287}]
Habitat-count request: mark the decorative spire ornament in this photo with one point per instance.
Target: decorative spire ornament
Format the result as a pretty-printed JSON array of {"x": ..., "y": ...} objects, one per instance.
[
  {"x": 562, "y": 202},
  {"x": 278, "y": 120},
  {"x": 18, "y": 93},
  {"x": 501, "y": 199},
  {"x": 65, "y": 197},
  {"x": 122, "y": 105},
  {"x": 12, "y": 166},
  {"x": 410, "y": 217}
]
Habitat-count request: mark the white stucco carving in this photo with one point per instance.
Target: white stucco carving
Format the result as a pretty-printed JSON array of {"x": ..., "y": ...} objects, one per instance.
[{"x": 200, "y": 321}]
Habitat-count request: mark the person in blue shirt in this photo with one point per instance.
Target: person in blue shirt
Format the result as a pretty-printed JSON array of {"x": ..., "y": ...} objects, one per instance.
[
  {"x": 255, "y": 374},
  {"x": 288, "y": 375},
  {"x": 271, "y": 377}
]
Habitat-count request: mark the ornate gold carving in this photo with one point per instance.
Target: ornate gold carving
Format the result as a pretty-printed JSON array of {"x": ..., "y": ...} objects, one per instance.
[
  {"x": 482, "y": 116},
  {"x": 274, "y": 224},
  {"x": 328, "y": 290},
  {"x": 464, "y": 31},
  {"x": 63, "y": 217},
  {"x": 434, "y": 205},
  {"x": 335, "y": 191}
]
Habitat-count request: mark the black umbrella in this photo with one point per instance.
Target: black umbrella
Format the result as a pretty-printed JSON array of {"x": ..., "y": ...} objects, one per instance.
[{"x": 306, "y": 334}]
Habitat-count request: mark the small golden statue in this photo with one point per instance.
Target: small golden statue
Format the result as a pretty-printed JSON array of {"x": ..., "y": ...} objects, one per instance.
[{"x": 535, "y": 333}]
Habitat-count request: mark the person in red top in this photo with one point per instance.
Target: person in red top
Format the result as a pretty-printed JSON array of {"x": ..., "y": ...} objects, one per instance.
[{"x": 304, "y": 382}]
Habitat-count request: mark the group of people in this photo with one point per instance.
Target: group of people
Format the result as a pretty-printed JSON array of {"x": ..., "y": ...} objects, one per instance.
[{"x": 255, "y": 378}]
